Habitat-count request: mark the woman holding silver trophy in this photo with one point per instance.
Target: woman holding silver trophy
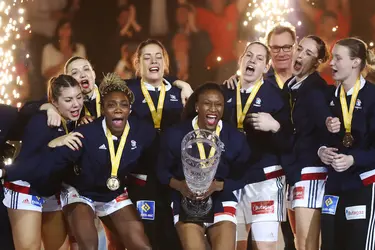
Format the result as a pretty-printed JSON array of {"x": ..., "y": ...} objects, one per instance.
[{"x": 202, "y": 160}]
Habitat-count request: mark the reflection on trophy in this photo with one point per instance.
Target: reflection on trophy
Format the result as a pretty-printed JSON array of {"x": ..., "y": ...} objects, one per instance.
[{"x": 200, "y": 153}]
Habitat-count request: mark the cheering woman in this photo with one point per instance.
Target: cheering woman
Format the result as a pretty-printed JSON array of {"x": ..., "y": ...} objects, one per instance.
[
  {"x": 34, "y": 210},
  {"x": 204, "y": 110},
  {"x": 251, "y": 107},
  {"x": 348, "y": 206}
]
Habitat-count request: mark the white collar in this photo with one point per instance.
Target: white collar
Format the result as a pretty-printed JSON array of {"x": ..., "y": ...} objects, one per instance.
[
  {"x": 194, "y": 121},
  {"x": 149, "y": 87},
  {"x": 298, "y": 84},
  {"x": 104, "y": 125},
  {"x": 350, "y": 92},
  {"x": 249, "y": 89},
  {"x": 93, "y": 97}
]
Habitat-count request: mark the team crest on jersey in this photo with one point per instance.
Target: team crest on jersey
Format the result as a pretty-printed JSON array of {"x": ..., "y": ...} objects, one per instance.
[
  {"x": 133, "y": 144},
  {"x": 173, "y": 98},
  {"x": 358, "y": 104},
  {"x": 258, "y": 102}
]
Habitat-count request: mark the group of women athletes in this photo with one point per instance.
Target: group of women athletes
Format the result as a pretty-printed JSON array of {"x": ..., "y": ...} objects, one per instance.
[{"x": 114, "y": 151}]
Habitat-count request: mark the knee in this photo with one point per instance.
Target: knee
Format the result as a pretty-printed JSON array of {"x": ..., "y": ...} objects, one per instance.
[{"x": 87, "y": 242}]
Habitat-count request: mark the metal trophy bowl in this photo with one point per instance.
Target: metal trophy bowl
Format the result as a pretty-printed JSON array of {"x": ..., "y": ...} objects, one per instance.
[{"x": 199, "y": 173}]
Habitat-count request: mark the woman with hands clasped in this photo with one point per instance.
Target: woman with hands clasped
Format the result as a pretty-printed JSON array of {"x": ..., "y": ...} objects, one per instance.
[
  {"x": 349, "y": 151},
  {"x": 204, "y": 110}
]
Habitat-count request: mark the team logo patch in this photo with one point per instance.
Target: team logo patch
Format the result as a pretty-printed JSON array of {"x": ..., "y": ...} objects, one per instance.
[
  {"x": 258, "y": 102},
  {"x": 358, "y": 104},
  {"x": 133, "y": 144},
  {"x": 298, "y": 193},
  {"x": 37, "y": 201},
  {"x": 173, "y": 98},
  {"x": 330, "y": 204},
  {"x": 355, "y": 212},
  {"x": 262, "y": 207},
  {"x": 146, "y": 209}
]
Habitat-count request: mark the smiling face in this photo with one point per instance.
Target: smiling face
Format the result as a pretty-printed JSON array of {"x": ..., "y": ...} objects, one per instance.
[
  {"x": 116, "y": 110},
  {"x": 305, "y": 58},
  {"x": 82, "y": 71},
  {"x": 152, "y": 63},
  {"x": 253, "y": 63},
  {"x": 69, "y": 103},
  {"x": 210, "y": 107},
  {"x": 342, "y": 64},
  {"x": 281, "y": 50}
]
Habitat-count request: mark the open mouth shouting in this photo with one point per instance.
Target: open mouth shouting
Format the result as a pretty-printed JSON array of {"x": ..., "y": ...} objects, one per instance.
[
  {"x": 211, "y": 120},
  {"x": 118, "y": 122},
  {"x": 250, "y": 70},
  {"x": 297, "y": 65},
  {"x": 85, "y": 84},
  {"x": 75, "y": 114}
]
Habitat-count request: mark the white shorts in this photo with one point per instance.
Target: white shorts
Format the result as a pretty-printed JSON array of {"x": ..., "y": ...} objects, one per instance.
[
  {"x": 228, "y": 214},
  {"x": 308, "y": 192},
  {"x": 16, "y": 200},
  {"x": 70, "y": 195},
  {"x": 263, "y": 201}
]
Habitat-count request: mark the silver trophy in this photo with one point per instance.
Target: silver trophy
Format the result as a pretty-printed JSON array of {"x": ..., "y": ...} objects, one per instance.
[{"x": 200, "y": 152}]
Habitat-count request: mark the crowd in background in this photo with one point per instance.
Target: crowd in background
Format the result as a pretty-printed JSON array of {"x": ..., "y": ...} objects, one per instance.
[{"x": 204, "y": 38}]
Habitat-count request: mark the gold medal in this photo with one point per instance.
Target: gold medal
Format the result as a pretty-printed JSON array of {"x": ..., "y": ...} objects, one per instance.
[
  {"x": 113, "y": 183},
  {"x": 241, "y": 113},
  {"x": 348, "y": 139},
  {"x": 347, "y": 114}
]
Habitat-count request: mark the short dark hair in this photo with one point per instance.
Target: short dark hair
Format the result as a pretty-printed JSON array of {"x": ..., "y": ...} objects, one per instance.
[{"x": 189, "y": 111}]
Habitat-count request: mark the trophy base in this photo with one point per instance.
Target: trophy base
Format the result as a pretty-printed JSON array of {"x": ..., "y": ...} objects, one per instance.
[{"x": 197, "y": 211}]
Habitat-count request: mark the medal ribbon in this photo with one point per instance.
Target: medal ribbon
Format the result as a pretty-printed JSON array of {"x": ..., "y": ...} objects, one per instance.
[
  {"x": 241, "y": 113},
  {"x": 97, "y": 104},
  {"x": 347, "y": 115},
  {"x": 116, "y": 157},
  {"x": 63, "y": 123},
  {"x": 202, "y": 153},
  {"x": 155, "y": 113},
  {"x": 278, "y": 80}
]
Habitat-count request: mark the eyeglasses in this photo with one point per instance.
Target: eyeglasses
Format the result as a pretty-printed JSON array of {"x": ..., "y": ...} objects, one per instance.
[{"x": 285, "y": 48}]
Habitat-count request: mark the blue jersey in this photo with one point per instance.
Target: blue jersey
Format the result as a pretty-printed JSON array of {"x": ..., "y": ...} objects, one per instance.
[
  {"x": 34, "y": 149},
  {"x": 308, "y": 104},
  {"x": 265, "y": 146},
  {"x": 233, "y": 161},
  {"x": 363, "y": 131},
  {"x": 93, "y": 159},
  {"x": 171, "y": 115}
]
